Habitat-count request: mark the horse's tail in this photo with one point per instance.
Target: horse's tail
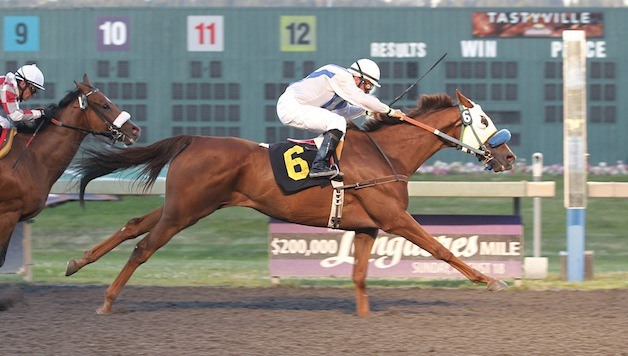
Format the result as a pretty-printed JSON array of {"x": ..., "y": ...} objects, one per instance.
[{"x": 152, "y": 159}]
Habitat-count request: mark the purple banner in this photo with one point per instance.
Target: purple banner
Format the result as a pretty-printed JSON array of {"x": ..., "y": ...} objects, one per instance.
[{"x": 489, "y": 243}]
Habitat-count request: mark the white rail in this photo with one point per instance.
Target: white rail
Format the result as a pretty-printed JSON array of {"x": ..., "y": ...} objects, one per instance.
[{"x": 521, "y": 189}]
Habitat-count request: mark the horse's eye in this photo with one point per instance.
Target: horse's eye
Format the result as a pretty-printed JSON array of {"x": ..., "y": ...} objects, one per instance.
[
  {"x": 105, "y": 106},
  {"x": 484, "y": 121}
]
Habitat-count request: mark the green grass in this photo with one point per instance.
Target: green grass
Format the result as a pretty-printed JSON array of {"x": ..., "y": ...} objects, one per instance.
[{"x": 229, "y": 248}]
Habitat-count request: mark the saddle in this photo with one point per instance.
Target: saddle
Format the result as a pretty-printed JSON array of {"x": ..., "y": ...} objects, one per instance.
[{"x": 6, "y": 140}]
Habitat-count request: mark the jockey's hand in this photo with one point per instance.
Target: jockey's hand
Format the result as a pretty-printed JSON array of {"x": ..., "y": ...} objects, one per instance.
[
  {"x": 395, "y": 113},
  {"x": 48, "y": 113}
]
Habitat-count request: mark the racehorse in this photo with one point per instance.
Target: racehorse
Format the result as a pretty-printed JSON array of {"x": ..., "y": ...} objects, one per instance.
[
  {"x": 37, "y": 159},
  {"x": 210, "y": 173}
]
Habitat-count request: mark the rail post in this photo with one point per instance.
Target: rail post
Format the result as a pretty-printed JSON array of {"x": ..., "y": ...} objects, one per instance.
[{"x": 536, "y": 267}]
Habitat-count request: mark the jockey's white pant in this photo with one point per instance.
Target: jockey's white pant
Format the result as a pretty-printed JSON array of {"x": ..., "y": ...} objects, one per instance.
[
  {"x": 307, "y": 117},
  {"x": 4, "y": 123}
]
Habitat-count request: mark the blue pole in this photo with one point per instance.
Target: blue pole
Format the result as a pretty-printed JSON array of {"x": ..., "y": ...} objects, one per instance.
[{"x": 575, "y": 244}]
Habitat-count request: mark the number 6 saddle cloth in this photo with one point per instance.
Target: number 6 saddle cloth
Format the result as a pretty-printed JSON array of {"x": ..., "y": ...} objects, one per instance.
[{"x": 291, "y": 162}]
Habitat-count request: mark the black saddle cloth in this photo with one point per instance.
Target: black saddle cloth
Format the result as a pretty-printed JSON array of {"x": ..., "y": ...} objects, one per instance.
[{"x": 291, "y": 165}]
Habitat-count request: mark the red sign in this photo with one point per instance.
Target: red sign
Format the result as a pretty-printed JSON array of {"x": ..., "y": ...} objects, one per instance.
[{"x": 536, "y": 24}]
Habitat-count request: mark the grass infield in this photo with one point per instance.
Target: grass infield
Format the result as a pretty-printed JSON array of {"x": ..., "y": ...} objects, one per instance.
[{"x": 229, "y": 248}]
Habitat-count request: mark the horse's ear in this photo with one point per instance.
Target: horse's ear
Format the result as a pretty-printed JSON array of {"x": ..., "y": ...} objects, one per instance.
[
  {"x": 86, "y": 80},
  {"x": 463, "y": 99}
]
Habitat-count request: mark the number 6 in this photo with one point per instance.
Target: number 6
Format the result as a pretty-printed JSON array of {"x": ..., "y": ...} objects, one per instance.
[{"x": 293, "y": 162}]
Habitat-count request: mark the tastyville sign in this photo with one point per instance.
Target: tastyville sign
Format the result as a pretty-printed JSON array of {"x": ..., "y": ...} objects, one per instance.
[
  {"x": 492, "y": 244},
  {"x": 536, "y": 24}
]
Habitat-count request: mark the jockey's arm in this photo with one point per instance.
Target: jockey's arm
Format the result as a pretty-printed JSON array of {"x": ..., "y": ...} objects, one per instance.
[
  {"x": 345, "y": 87},
  {"x": 350, "y": 112}
]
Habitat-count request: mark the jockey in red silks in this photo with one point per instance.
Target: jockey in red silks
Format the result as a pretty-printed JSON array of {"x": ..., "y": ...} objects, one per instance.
[{"x": 15, "y": 88}]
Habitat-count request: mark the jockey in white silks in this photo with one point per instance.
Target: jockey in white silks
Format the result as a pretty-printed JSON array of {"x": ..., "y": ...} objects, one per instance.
[{"x": 323, "y": 101}]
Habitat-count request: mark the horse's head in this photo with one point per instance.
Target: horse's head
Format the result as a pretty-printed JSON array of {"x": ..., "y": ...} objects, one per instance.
[
  {"x": 479, "y": 133},
  {"x": 103, "y": 117}
]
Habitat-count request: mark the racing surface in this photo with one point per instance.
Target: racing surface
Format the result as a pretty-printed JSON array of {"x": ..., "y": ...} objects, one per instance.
[{"x": 61, "y": 319}]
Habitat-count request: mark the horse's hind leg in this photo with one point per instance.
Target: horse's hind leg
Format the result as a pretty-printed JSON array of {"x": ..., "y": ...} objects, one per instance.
[
  {"x": 363, "y": 244},
  {"x": 134, "y": 228}
]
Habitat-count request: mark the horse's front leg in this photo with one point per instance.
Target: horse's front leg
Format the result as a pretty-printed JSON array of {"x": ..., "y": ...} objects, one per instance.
[
  {"x": 7, "y": 225},
  {"x": 405, "y": 225},
  {"x": 363, "y": 244},
  {"x": 134, "y": 228}
]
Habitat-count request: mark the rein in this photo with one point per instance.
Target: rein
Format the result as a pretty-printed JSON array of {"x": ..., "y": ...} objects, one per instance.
[
  {"x": 80, "y": 129},
  {"x": 376, "y": 181},
  {"x": 447, "y": 137}
]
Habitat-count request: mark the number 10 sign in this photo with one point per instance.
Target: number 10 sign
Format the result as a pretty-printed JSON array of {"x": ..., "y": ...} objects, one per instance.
[
  {"x": 113, "y": 33},
  {"x": 205, "y": 34}
]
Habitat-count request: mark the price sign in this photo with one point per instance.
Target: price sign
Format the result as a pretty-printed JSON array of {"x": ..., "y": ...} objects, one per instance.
[
  {"x": 113, "y": 33},
  {"x": 298, "y": 33},
  {"x": 21, "y": 33},
  {"x": 206, "y": 34}
]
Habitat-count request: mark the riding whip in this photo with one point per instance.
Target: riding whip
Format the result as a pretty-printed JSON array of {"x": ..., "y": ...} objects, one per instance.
[
  {"x": 417, "y": 81},
  {"x": 28, "y": 143}
]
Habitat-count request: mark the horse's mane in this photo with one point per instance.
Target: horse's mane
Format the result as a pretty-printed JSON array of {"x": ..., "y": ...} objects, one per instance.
[
  {"x": 69, "y": 97},
  {"x": 426, "y": 104},
  {"x": 431, "y": 103},
  {"x": 30, "y": 127}
]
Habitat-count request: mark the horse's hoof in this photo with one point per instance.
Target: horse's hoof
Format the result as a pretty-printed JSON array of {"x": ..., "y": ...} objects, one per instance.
[
  {"x": 496, "y": 285},
  {"x": 102, "y": 311},
  {"x": 71, "y": 268}
]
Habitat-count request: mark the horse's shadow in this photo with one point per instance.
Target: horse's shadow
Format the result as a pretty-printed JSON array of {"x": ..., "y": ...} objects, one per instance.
[{"x": 283, "y": 303}]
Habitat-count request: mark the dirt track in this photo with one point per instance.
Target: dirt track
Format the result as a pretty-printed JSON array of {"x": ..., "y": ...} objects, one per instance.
[{"x": 56, "y": 320}]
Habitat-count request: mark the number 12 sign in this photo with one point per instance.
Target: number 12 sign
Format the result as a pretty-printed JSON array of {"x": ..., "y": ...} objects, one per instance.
[{"x": 206, "y": 34}]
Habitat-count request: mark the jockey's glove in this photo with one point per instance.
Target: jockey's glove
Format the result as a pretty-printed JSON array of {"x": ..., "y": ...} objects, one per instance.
[
  {"x": 395, "y": 113},
  {"x": 48, "y": 112}
]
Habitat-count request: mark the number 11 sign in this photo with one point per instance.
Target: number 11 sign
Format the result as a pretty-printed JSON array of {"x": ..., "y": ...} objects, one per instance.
[{"x": 206, "y": 34}]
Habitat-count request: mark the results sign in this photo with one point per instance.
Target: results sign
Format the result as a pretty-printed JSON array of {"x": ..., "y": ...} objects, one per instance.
[{"x": 492, "y": 244}]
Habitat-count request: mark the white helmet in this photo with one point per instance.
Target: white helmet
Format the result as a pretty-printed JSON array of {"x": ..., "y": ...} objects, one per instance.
[
  {"x": 367, "y": 69},
  {"x": 32, "y": 75}
]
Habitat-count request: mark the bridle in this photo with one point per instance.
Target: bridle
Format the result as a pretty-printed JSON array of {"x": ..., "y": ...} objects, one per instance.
[
  {"x": 466, "y": 117},
  {"x": 113, "y": 127}
]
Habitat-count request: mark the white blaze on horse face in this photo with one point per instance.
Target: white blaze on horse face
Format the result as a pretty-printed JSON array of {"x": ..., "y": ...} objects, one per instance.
[
  {"x": 121, "y": 119},
  {"x": 480, "y": 130}
]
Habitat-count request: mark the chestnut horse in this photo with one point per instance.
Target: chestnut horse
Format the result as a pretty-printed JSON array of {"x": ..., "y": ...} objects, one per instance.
[
  {"x": 37, "y": 159},
  {"x": 210, "y": 173}
]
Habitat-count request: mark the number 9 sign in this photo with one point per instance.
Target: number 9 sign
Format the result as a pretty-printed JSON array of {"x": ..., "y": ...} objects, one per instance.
[{"x": 21, "y": 33}]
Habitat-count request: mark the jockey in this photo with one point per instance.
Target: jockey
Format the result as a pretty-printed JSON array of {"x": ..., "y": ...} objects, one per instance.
[
  {"x": 17, "y": 87},
  {"x": 324, "y": 101}
]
